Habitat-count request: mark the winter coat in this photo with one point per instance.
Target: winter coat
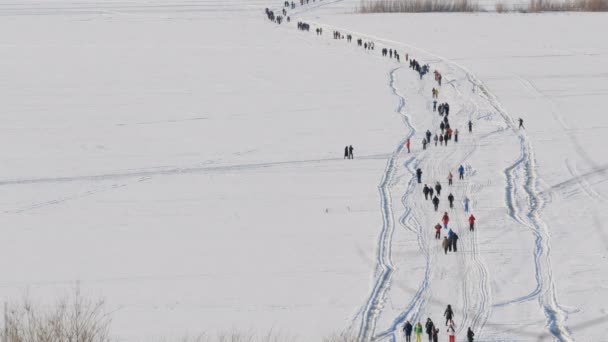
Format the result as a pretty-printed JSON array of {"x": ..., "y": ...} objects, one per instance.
[
  {"x": 436, "y": 200},
  {"x": 450, "y": 176},
  {"x": 418, "y": 329},
  {"x": 446, "y": 243},
  {"x": 448, "y": 313},
  {"x": 407, "y": 328},
  {"x": 470, "y": 334},
  {"x": 471, "y": 219},
  {"x": 461, "y": 169},
  {"x": 438, "y": 188},
  {"x": 451, "y": 198},
  {"x": 438, "y": 227},
  {"x": 429, "y": 327},
  {"x": 445, "y": 219},
  {"x": 425, "y": 190}
]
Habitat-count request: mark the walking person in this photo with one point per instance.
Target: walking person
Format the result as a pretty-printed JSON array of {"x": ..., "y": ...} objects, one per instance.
[
  {"x": 456, "y": 135},
  {"x": 461, "y": 172},
  {"x": 471, "y": 222},
  {"x": 350, "y": 152},
  {"x": 418, "y": 332},
  {"x": 470, "y": 126},
  {"x": 466, "y": 204},
  {"x": 451, "y": 199},
  {"x": 445, "y": 219},
  {"x": 449, "y": 314},
  {"x": 419, "y": 175},
  {"x": 438, "y": 188},
  {"x": 407, "y": 144},
  {"x": 455, "y": 238},
  {"x": 424, "y": 143},
  {"x": 438, "y": 231},
  {"x": 450, "y": 177},
  {"x": 470, "y": 335},
  {"x": 450, "y": 239},
  {"x": 431, "y": 192},
  {"x": 435, "y": 139},
  {"x": 346, "y": 155},
  {"x": 445, "y": 244},
  {"x": 451, "y": 334},
  {"x": 435, "y": 335},
  {"x": 425, "y": 191},
  {"x": 430, "y": 327},
  {"x": 407, "y": 329},
  {"x": 521, "y": 123},
  {"x": 436, "y": 202}
]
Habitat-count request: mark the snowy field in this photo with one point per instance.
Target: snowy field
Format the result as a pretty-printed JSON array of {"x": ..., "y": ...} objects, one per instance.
[{"x": 185, "y": 160}]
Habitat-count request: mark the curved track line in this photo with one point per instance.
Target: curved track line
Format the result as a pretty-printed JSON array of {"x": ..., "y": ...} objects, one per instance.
[{"x": 376, "y": 299}]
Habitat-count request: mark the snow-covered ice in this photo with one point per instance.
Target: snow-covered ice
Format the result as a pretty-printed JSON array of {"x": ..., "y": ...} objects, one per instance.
[{"x": 185, "y": 160}]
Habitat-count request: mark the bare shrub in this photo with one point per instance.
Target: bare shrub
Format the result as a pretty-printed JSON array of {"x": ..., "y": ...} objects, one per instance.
[
  {"x": 71, "y": 318},
  {"x": 536, "y": 6},
  {"x": 417, "y": 6},
  {"x": 500, "y": 7}
]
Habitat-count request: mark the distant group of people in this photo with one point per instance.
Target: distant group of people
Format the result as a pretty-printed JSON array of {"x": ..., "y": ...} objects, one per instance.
[
  {"x": 348, "y": 152},
  {"x": 391, "y": 54},
  {"x": 432, "y": 330}
]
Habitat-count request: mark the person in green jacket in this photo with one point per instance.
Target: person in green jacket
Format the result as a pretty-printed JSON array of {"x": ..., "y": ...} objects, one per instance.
[{"x": 418, "y": 332}]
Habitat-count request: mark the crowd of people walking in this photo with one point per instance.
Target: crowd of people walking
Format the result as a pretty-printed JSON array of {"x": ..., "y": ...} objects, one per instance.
[{"x": 443, "y": 133}]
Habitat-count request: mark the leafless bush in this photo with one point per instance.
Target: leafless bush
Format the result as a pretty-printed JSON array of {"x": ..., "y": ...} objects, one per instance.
[
  {"x": 500, "y": 7},
  {"x": 72, "y": 319},
  {"x": 417, "y": 6},
  {"x": 536, "y": 6}
]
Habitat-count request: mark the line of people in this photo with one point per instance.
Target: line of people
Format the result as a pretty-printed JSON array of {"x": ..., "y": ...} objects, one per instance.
[{"x": 432, "y": 330}]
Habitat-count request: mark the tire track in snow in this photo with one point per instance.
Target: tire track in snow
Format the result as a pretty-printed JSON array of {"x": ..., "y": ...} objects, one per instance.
[{"x": 385, "y": 267}]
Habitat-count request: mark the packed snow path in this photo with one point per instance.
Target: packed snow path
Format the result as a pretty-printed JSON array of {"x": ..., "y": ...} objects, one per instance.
[{"x": 462, "y": 90}]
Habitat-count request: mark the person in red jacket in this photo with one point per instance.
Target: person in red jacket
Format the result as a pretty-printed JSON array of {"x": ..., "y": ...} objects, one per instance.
[
  {"x": 445, "y": 219},
  {"x": 471, "y": 222},
  {"x": 407, "y": 144},
  {"x": 438, "y": 231}
]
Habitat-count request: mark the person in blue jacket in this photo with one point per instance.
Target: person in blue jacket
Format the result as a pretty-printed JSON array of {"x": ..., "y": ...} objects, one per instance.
[{"x": 461, "y": 171}]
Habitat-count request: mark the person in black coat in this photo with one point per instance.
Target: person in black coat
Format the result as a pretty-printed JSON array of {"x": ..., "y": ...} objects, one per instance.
[
  {"x": 346, "y": 155},
  {"x": 407, "y": 329},
  {"x": 426, "y": 192},
  {"x": 436, "y": 202},
  {"x": 431, "y": 193},
  {"x": 442, "y": 127},
  {"x": 454, "y": 239},
  {"x": 451, "y": 199},
  {"x": 430, "y": 327},
  {"x": 449, "y": 314},
  {"x": 438, "y": 189},
  {"x": 470, "y": 126},
  {"x": 419, "y": 175},
  {"x": 350, "y": 152},
  {"x": 470, "y": 335}
]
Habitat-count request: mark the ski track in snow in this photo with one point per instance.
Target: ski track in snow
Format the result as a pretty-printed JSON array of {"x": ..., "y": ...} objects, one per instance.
[
  {"x": 522, "y": 180},
  {"x": 385, "y": 267}
]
